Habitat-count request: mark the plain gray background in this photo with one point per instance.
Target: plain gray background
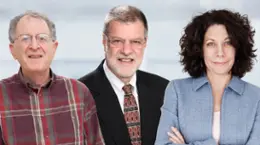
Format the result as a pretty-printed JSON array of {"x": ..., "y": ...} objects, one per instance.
[{"x": 79, "y": 26}]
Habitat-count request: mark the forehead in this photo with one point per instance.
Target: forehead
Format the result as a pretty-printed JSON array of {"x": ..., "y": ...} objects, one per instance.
[
  {"x": 216, "y": 31},
  {"x": 126, "y": 29},
  {"x": 31, "y": 25}
]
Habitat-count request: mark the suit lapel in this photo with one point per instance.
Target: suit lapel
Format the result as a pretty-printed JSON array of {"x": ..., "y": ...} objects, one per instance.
[
  {"x": 143, "y": 96},
  {"x": 109, "y": 109}
]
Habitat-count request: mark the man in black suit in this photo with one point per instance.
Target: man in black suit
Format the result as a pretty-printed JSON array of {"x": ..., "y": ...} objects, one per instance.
[{"x": 128, "y": 100}]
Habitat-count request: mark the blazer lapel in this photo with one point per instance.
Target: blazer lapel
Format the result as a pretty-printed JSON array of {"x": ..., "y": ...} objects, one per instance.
[
  {"x": 145, "y": 109},
  {"x": 109, "y": 109}
]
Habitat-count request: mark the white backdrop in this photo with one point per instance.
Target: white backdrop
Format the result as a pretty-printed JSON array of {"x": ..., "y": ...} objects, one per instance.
[{"x": 79, "y": 27}]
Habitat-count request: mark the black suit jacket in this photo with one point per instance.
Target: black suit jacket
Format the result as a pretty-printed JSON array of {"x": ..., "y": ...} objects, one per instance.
[{"x": 150, "y": 93}]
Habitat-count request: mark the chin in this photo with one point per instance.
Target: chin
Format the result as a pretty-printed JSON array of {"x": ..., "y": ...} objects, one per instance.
[
  {"x": 222, "y": 73},
  {"x": 125, "y": 74},
  {"x": 37, "y": 69}
]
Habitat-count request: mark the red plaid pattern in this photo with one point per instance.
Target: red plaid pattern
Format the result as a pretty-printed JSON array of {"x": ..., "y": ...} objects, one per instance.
[
  {"x": 132, "y": 117},
  {"x": 61, "y": 112}
]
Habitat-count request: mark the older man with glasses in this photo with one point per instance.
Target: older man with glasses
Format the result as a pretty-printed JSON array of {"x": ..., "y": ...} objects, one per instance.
[
  {"x": 38, "y": 107},
  {"x": 128, "y": 100}
]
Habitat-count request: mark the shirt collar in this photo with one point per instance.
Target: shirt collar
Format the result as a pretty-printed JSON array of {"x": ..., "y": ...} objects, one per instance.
[
  {"x": 31, "y": 84},
  {"x": 115, "y": 80},
  {"x": 235, "y": 84}
]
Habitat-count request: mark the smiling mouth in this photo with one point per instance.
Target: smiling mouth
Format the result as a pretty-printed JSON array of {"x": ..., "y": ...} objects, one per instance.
[
  {"x": 126, "y": 59},
  {"x": 35, "y": 56},
  {"x": 220, "y": 63}
]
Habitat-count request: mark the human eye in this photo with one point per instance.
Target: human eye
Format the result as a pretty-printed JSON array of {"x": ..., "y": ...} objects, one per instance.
[
  {"x": 25, "y": 38},
  {"x": 210, "y": 44},
  {"x": 116, "y": 41},
  {"x": 42, "y": 38},
  {"x": 137, "y": 41},
  {"x": 228, "y": 42}
]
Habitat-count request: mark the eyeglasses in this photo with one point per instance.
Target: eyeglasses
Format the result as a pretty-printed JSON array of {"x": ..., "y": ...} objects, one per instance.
[
  {"x": 40, "y": 38},
  {"x": 118, "y": 42}
]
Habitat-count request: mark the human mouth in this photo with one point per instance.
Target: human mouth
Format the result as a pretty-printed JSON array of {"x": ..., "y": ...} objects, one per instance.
[
  {"x": 126, "y": 60},
  {"x": 35, "y": 56},
  {"x": 219, "y": 63}
]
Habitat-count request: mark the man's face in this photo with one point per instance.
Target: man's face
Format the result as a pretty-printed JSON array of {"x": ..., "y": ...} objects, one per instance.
[
  {"x": 124, "y": 48},
  {"x": 33, "y": 46}
]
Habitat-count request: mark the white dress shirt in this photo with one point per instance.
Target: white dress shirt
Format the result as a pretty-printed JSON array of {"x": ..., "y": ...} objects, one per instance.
[{"x": 117, "y": 85}]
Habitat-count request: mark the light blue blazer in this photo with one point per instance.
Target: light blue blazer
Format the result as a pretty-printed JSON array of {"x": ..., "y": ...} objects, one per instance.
[{"x": 188, "y": 105}]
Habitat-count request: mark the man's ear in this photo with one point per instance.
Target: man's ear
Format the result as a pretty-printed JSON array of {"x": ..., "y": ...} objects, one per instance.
[
  {"x": 55, "y": 44},
  {"x": 145, "y": 39},
  {"x": 104, "y": 42},
  {"x": 12, "y": 50}
]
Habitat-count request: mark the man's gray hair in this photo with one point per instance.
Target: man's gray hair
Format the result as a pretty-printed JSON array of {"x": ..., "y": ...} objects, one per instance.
[
  {"x": 125, "y": 14},
  {"x": 34, "y": 14}
]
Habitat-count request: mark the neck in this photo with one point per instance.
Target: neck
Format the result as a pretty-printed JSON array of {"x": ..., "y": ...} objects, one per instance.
[
  {"x": 38, "y": 78},
  {"x": 218, "y": 82},
  {"x": 125, "y": 80}
]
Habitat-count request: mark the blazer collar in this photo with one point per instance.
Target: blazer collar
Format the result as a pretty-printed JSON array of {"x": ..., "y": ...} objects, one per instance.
[{"x": 235, "y": 84}]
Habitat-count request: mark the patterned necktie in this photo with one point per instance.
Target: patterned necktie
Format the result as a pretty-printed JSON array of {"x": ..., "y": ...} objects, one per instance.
[{"x": 132, "y": 117}]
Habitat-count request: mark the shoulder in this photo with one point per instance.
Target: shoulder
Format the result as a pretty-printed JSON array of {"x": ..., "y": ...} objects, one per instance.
[
  {"x": 73, "y": 83},
  {"x": 89, "y": 77},
  {"x": 152, "y": 78},
  {"x": 10, "y": 84},
  {"x": 251, "y": 89},
  {"x": 81, "y": 94},
  {"x": 182, "y": 82},
  {"x": 185, "y": 85},
  {"x": 78, "y": 89},
  {"x": 251, "y": 86},
  {"x": 9, "y": 80}
]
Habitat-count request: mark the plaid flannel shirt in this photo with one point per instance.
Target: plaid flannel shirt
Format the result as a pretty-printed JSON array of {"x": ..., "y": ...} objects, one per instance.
[{"x": 62, "y": 112}]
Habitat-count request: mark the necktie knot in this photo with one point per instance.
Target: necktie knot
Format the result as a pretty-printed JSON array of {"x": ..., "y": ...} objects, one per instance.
[{"x": 128, "y": 89}]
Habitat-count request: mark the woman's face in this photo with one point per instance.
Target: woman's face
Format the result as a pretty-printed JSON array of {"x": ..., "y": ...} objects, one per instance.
[{"x": 219, "y": 54}]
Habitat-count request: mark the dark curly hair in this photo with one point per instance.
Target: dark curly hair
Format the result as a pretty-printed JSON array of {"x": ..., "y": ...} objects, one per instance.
[{"x": 240, "y": 33}]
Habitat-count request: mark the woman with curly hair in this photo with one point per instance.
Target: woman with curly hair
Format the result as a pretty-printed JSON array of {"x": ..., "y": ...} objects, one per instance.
[{"x": 214, "y": 105}]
